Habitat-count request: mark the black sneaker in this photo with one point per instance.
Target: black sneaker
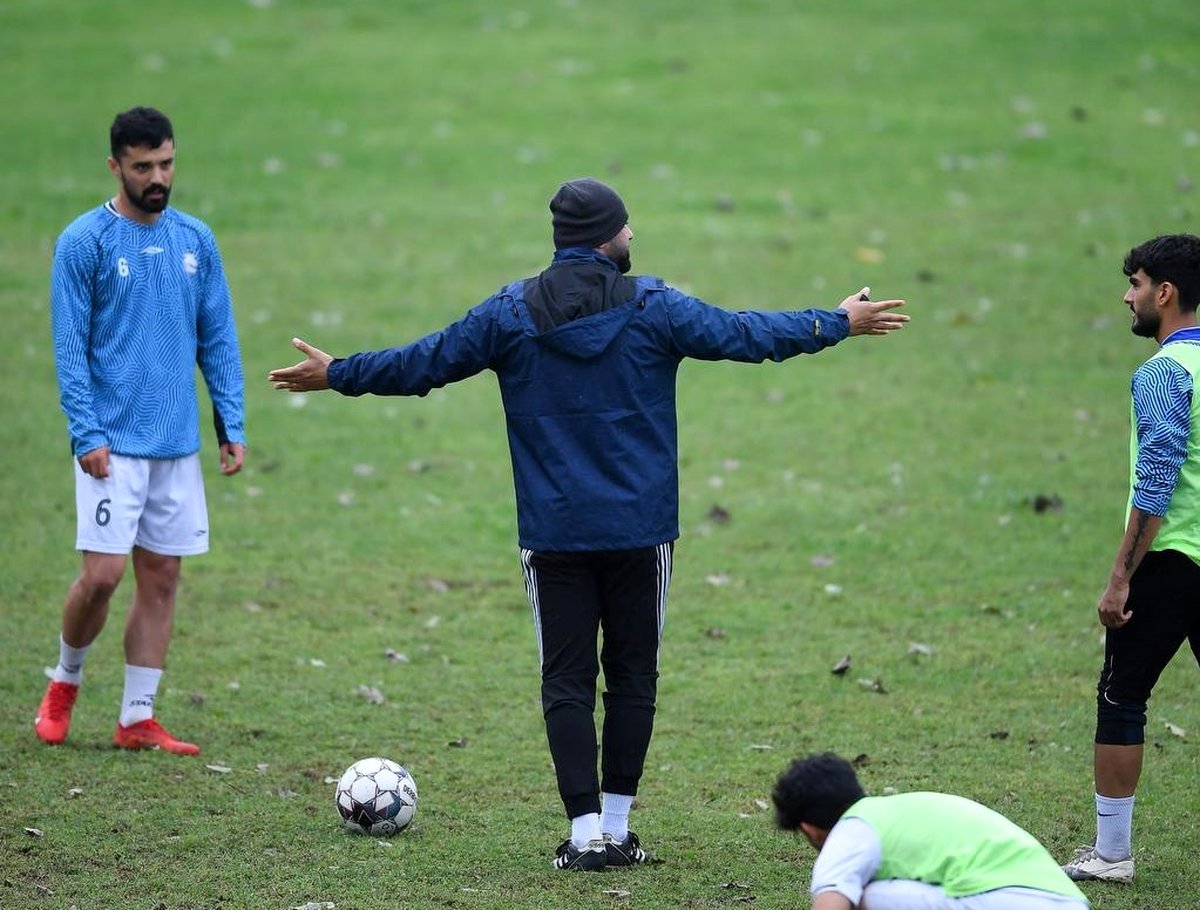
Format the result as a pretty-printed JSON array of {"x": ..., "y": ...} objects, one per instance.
[
  {"x": 592, "y": 858},
  {"x": 626, "y": 852}
]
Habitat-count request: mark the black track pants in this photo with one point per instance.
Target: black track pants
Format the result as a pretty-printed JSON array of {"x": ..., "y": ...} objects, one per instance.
[{"x": 576, "y": 597}]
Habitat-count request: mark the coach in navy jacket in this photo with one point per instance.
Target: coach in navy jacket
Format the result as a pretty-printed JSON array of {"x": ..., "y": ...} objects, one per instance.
[{"x": 586, "y": 357}]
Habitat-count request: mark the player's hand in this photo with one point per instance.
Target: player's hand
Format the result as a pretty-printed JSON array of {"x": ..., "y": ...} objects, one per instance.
[
  {"x": 95, "y": 463},
  {"x": 872, "y": 317},
  {"x": 1111, "y": 608},
  {"x": 233, "y": 456},
  {"x": 309, "y": 375}
]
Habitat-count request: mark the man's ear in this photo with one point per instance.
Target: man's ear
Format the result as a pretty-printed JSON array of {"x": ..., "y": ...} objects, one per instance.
[
  {"x": 1165, "y": 293},
  {"x": 816, "y": 836}
]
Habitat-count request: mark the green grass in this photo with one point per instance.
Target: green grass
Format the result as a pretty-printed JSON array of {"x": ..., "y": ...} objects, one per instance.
[{"x": 371, "y": 170}]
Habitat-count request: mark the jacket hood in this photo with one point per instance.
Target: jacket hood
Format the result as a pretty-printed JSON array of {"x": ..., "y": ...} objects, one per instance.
[{"x": 580, "y": 304}]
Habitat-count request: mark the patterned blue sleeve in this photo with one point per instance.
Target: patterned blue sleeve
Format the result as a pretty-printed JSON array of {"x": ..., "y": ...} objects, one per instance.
[
  {"x": 71, "y": 321},
  {"x": 1162, "y": 407},
  {"x": 217, "y": 348},
  {"x": 706, "y": 332}
]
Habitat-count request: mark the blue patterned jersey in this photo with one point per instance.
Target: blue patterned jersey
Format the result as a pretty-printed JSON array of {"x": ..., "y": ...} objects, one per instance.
[{"x": 135, "y": 308}]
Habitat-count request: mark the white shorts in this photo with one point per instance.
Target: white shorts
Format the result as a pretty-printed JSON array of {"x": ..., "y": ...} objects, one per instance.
[
  {"x": 154, "y": 503},
  {"x": 899, "y": 894}
]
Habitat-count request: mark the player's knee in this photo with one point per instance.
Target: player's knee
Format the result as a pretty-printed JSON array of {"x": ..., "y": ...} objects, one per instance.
[
  {"x": 568, "y": 692},
  {"x": 98, "y": 581},
  {"x": 1120, "y": 721},
  {"x": 637, "y": 688}
]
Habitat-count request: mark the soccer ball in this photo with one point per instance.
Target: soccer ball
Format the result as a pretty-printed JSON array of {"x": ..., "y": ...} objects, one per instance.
[{"x": 376, "y": 796}]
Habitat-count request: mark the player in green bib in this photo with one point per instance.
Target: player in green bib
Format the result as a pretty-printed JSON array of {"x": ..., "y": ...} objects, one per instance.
[
  {"x": 913, "y": 851},
  {"x": 1150, "y": 604}
]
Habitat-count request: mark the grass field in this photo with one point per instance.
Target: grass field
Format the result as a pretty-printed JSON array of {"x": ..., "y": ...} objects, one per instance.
[{"x": 371, "y": 170}]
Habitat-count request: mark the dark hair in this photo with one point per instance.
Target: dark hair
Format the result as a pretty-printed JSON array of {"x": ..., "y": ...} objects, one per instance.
[
  {"x": 139, "y": 126},
  {"x": 817, "y": 790},
  {"x": 1174, "y": 258}
]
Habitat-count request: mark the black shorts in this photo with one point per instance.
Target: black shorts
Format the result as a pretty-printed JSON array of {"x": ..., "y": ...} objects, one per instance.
[{"x": 1164, "y": 597}]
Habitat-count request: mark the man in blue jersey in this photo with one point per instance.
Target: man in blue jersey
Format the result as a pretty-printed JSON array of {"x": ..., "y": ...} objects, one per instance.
[
  {"x": 913, "y": 851},
  {"x": 1151, "y": 604},
  {"x": 138, "y": 299},
  {"x": 586, "y": 358}
]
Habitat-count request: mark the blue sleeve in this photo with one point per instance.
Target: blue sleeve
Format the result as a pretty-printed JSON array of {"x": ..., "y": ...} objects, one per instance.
[
  {"x": 460, "y": 350},
  {"x": 71, "y": 278},
  {"x": 706, "y": 332},
  {"x": 1162, "y": 407},
  {"x": 217, "y": 351}
]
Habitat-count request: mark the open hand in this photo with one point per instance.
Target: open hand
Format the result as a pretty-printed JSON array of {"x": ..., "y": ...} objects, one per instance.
[
  {"x": 872, "y": 317},
  {"x": 309, "y": 375}
]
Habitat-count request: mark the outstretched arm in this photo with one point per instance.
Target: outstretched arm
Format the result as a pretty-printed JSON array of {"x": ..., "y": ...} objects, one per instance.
[{"x": 310, "y": 375}]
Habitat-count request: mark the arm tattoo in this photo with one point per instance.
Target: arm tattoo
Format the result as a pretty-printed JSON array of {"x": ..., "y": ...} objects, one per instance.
[{"x": 1139, "y": 531}]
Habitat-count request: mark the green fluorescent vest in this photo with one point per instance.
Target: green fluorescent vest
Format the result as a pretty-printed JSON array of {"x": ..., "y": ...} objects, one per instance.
[
  {"x": 1180, "y": 529},
  {"x": 956, "y": 843}
]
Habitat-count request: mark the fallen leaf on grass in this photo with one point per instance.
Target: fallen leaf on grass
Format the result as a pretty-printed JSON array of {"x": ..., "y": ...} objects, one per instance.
[
  {"x": 316, "y": 905},
  {"x": 715, "y": 632},
  {"x": 615, "y": 893},
  {"x": 761, "y": 804},
  {"x": 999, "y": 734},
  {"x": 718, "y": 515},
  {"x": 861, "y": 760},
  {"x": 460, "y": 743},
  {"x": 717, "y": 580},
  {"x": 736, "y": 886},
  {"x": 219, "y": 769},
  {"x": 1043, "y": 503},
  {"x": 396, "y": 656},
  {"x": 1176, "y": 731},
  {"x": 918, "y": 647},
  {"x": 760, "y": 747},
  {"x": 35, "y": 832},
  {"x": 74, "y": 792},
  {"x": 841, "y": 666},
  {"x": 873, "y": 685}
]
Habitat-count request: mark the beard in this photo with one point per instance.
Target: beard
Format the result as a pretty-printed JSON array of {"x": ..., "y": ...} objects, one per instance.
[
  {"x": 146, "y": 200},
  {"x": 1145, "y": 326},
  {"x": 623, "y": 261}
]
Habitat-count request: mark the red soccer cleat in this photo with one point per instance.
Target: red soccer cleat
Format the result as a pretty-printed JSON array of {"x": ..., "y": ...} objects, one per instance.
[
  {"x": 54, "y": 713},
  {"x": 149, "y": 734}
]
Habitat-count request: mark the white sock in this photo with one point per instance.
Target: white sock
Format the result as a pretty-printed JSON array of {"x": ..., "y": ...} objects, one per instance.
[
  {"x": 614, "y": 814},
  {"x": 1114, "y": 827},
  {"x": 70, "y": 663},
  {"x": 141, "y": 687},
  {"x": 585, "y": 828}
]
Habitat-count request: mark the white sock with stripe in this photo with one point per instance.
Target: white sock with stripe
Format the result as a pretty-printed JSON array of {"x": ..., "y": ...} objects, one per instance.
[
  {"x": 141, "y": 688},
  {"x": 70, "y": 663},
  {"x": 1114, "y": 827}
]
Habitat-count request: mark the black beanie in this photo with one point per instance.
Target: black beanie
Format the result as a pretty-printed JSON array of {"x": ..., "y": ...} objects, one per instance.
[{"x": 586, "y": 212}]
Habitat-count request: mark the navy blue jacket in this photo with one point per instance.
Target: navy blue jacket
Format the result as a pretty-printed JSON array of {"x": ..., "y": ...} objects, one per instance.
[{"x": 586, "y": 359}]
